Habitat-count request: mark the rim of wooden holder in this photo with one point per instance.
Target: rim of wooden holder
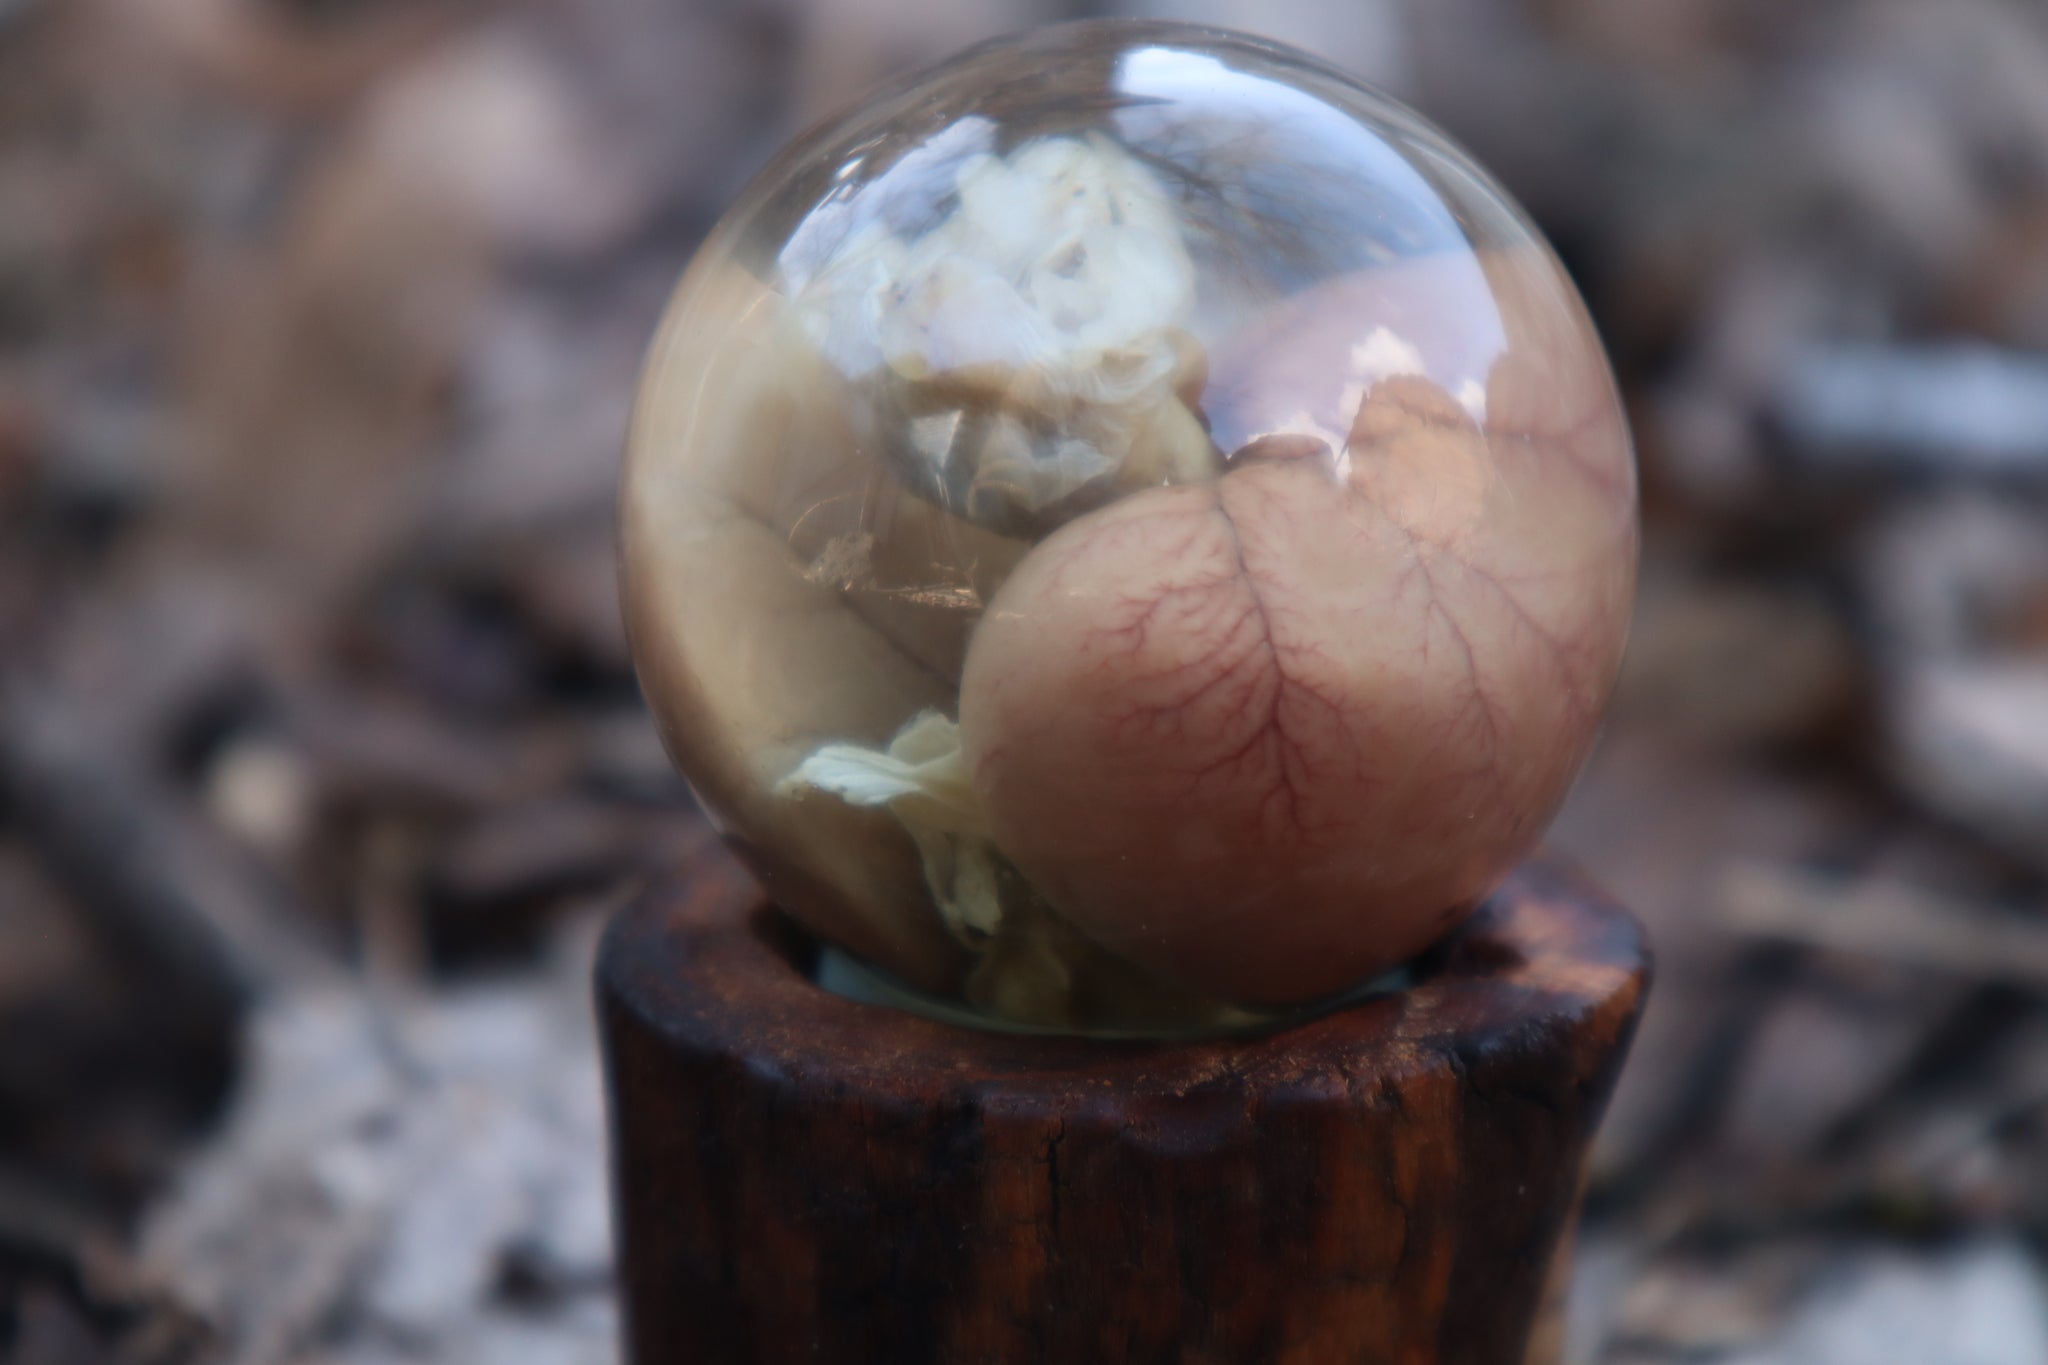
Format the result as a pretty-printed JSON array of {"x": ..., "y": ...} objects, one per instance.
[
  {"x": 1547, "y": 952},
  {"x": 1495, "y": 1061}
]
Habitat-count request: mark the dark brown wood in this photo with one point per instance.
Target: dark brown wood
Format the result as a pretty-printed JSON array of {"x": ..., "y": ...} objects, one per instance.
[{"x": 800, "y": 1177}]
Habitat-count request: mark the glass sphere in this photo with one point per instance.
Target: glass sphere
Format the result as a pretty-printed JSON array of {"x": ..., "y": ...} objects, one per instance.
[{"x": 1130, "y": 527}]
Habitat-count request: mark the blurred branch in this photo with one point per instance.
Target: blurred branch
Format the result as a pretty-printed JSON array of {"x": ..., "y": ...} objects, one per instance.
[
  {"x": 1928, "y": 407},
  {"x": 1885, "y": 920},
  {"x": 162, "y": 891}
]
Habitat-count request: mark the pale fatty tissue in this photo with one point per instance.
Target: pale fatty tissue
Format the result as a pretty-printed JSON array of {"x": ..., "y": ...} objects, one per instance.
[{"x": 1131, "y": 529}]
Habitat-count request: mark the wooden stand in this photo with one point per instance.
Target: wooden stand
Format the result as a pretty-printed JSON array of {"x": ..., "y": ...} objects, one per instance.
[{"x": 800, "y": 1177}]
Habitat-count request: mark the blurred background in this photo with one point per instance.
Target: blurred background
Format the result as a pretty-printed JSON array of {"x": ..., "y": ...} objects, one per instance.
[{"x": 321, "y": 757}]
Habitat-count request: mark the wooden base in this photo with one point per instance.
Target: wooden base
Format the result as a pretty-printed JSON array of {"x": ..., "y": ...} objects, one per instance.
[{"x": 802, "y": 1177}]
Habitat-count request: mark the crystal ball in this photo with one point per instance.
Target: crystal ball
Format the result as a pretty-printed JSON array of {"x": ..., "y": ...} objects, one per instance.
[{"x": 1130, "y": 527}]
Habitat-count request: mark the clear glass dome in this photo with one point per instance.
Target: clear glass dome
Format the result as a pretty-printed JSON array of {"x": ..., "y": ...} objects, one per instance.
[{"x": 1128, "y": 528}]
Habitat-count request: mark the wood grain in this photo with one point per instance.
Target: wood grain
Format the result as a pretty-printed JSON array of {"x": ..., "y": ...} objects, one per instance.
[{"x": 803, "y": 1177}]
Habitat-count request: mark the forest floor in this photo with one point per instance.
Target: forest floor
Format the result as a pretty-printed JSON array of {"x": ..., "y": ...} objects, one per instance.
[{"x": 321, "y": 757}]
